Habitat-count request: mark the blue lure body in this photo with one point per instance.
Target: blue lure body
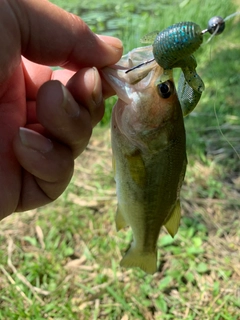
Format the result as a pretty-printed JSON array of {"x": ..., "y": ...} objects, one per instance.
[{"x": 173, "y": 48}]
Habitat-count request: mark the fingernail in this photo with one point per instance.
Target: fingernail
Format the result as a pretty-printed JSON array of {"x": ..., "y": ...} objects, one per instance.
[
  {"x": 97, "y": 89},
  {"x": 112, "y": 41},
  {"x": 33, "y": 140},
  {"x": 92, "y": 76},
  {"x": 69, "y": 104}
]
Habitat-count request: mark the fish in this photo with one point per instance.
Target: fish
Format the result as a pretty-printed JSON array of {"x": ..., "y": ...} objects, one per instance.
[{"x": 148, "y": 155}]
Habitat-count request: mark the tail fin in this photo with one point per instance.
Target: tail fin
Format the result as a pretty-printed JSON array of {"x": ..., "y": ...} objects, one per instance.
[{"x": 147, "y": 261}]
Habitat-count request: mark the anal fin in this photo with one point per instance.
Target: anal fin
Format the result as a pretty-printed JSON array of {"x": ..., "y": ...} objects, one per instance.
[{"x": 173, "y": 222}]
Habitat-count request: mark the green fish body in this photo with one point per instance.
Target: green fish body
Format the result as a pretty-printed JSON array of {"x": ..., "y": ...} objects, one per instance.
[{"x": 149, "y": 157}]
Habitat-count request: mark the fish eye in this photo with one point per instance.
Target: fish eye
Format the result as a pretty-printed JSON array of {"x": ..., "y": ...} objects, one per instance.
[{"x": 165, "y": 89}]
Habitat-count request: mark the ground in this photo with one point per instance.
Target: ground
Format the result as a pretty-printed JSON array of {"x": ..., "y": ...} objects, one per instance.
[{"x": 62, "y": 261}]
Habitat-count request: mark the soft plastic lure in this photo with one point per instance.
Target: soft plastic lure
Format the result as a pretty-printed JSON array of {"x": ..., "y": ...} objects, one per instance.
[{"x": 173, "y": 48}]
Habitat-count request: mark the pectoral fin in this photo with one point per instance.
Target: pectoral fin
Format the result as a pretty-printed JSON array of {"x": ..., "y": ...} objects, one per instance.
[
  {"x": 119, "y": 220},
  {"x": 137, "y": 168},
  {"x": 173, "y": 222}
]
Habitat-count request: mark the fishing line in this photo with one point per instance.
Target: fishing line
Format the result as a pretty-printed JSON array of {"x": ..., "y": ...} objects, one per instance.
[
  {"x": 221, "y": 132},
  {"x": 232, "y": 15},
  {"x": 216, "y": 92}
]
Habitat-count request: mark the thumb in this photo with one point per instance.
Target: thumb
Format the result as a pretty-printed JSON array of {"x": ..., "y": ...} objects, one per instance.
[{"x": 52, "y": 36}]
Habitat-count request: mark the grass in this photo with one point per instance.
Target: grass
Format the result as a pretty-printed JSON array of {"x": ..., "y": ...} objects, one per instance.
[{"x": 61, "y": 261}]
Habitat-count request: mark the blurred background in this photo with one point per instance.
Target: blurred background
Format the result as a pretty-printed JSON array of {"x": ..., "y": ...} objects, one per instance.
[{"x": 62, "y": 261}]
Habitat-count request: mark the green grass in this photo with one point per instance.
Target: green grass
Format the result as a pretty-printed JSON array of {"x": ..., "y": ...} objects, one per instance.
[{"x": 61, "y": 261}]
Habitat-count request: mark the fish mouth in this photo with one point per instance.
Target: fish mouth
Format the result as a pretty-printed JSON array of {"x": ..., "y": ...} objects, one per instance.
[
  {"x": 116, "y": 78},
  {"x": 127, "y": 84}
]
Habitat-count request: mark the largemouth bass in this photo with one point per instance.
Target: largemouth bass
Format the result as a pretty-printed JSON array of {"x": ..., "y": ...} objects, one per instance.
[{"x": 149, "y": 155}]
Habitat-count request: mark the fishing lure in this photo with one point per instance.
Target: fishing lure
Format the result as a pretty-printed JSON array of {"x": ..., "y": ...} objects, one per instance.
[{"x": 173, "y": 48}]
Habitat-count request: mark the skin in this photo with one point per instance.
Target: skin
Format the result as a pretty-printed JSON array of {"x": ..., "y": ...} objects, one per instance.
[{"x": 46, "y": 117}]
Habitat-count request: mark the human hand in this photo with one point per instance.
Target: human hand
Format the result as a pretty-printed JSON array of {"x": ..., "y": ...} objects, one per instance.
[{"x": 46, "y": 117}]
